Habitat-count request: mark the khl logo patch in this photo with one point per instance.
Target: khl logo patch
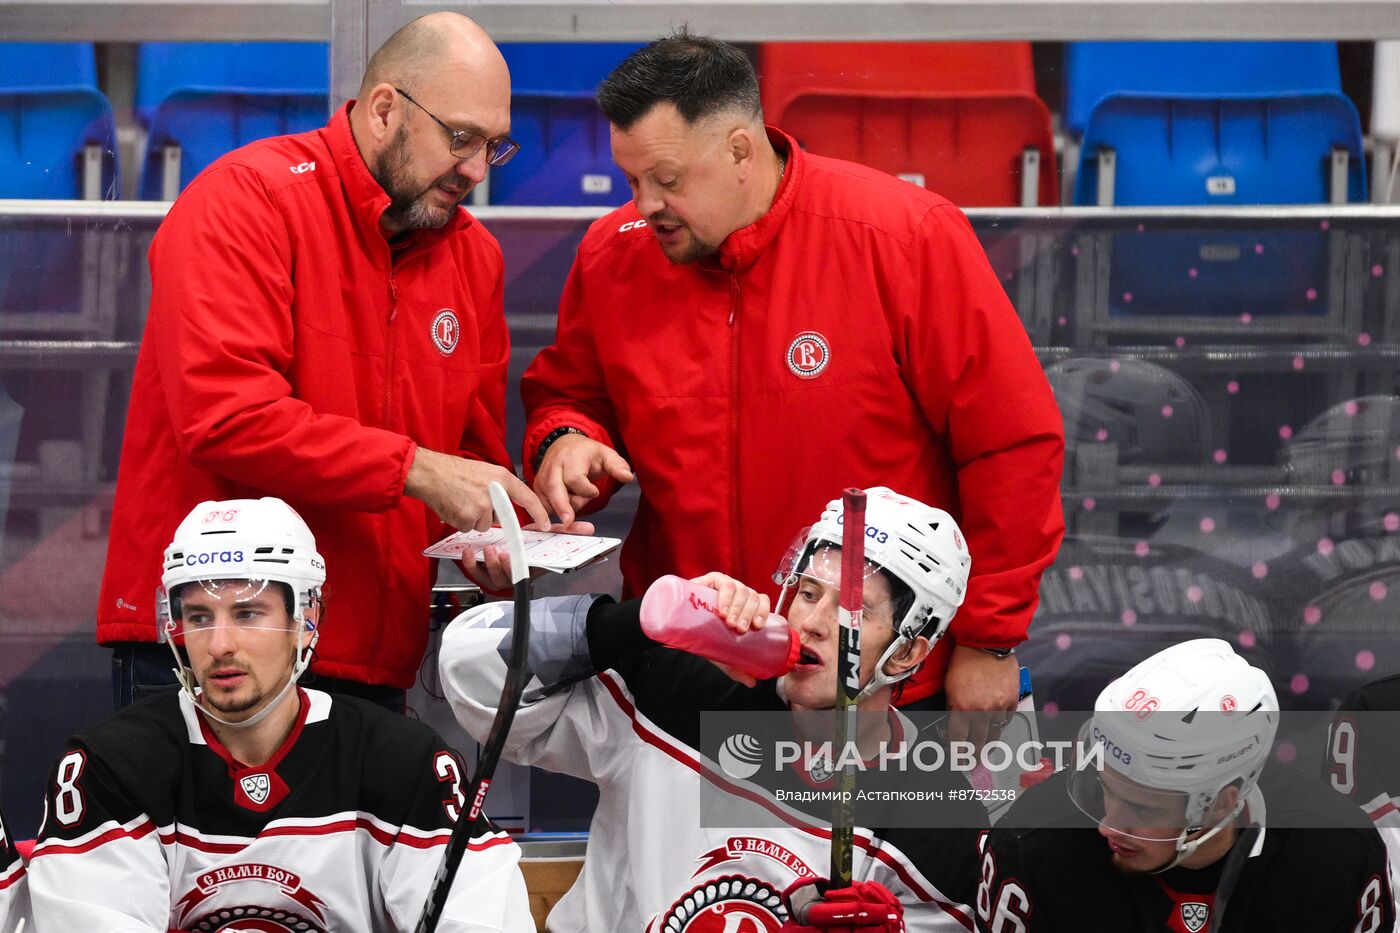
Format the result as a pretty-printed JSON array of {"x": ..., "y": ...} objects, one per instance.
[
  {"x": 1194, "y": 915},
  {"x": 446, "y": 331},
  {"x": 257, "y": 787},
  {"x": 808, "y": 355}
]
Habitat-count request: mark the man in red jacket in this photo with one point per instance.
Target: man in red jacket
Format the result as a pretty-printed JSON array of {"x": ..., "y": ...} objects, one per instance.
[
  {"x": 326, "y": 326},
  {"x": 755, "y": 304}
]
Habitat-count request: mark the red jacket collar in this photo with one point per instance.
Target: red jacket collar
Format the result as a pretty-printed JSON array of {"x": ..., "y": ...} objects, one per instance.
[
  {"x": 742, "y": 248},
  {"x": 366, "y": 199}
]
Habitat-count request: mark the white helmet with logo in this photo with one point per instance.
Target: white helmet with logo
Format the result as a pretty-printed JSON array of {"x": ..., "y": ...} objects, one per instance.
[
  {"x": 1188, "y": 721},
  {"x": 257, "y": 540},
  {"x": 917, "y": 544}
]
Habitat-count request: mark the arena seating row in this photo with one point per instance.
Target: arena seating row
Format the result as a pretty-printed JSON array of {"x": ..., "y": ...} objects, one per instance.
[{"x": 1216, "y": 123}]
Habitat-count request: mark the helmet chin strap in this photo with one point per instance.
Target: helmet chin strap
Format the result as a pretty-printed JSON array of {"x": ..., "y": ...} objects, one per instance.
[
  {"x": 193, "y": 691},
  {"x": 879, "y": 679},
  {"x": 257, "y": 717},
  {"x": 1185, "y": 850}
]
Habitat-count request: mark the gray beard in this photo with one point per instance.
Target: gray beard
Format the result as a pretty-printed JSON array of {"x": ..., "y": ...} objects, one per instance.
[{"x": 408, "y": 207}]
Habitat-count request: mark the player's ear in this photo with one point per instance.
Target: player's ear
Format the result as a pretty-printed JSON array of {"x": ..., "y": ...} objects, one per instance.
[
  {"x": 908, "y": 657},
  {"x": 1224, "y": 803}
]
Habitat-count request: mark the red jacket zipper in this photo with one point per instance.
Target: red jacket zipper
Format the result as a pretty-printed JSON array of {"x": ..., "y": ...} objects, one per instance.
[{"x": 735, "y": 302}]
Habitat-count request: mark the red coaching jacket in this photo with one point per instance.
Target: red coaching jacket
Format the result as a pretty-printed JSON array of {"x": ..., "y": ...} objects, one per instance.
[
  {"x": 854, "y": 335},
  {"x": 291, "y": 351}
]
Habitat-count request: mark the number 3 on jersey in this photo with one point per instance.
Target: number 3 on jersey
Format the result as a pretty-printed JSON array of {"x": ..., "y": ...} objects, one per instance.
[
  {"x": 445, "y": 767},
  {"x": 68, "y": 803},
  {"x": 1011, "y": 910}
]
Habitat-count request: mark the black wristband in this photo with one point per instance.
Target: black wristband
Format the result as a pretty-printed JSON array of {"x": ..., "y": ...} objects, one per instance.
[
  {"x": 549, "y": 440},
  {"x": 614, "y": 629}
]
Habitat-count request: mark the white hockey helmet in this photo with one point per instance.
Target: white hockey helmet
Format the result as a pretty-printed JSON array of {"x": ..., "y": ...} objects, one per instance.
[
  {"x": 917, "y": 544},
  {"x": 260, "y": 541},
  {"x": 1189, "y": 721},
  {"x": 1150, "y": 412}
]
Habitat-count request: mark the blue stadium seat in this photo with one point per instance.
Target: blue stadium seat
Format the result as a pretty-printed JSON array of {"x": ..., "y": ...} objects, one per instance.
[
  {"x": 50, "y": 111},
  {"x": 1221, "y": 150},
  {"x": 51, "y": 116},
  {"x": 209, "y": 98},
  {"x": 1209, "y": 123},
  {"x": 1095, "y": 70},
  {"x": 565, "y": 157}
]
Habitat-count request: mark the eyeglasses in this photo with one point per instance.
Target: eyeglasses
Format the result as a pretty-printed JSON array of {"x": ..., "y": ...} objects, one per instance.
[{"x": 465, "y": 144}]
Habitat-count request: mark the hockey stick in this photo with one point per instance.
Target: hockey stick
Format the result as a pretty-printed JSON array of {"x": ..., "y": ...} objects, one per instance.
[
  {"x": 848, "y": 679},
  {"x": 1230, "y": 873},
  {"x": 516, "y": 676}
]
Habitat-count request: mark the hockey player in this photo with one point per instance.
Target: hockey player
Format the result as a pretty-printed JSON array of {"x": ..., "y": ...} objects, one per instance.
[
  {"x": 614, "y": 708},
  {"x": 14, "y": 890},
  {"x": 1177, "y": 825},
  {"x": 1363, "y": 761},
  {"x": 244, "y": 802}
]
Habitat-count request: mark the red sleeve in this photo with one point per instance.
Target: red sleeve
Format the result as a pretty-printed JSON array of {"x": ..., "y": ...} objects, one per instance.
[
  {"x": 565, "y": 385},
  {"x": 222, "y": 329},
  {"x": 971, "y": 366}
]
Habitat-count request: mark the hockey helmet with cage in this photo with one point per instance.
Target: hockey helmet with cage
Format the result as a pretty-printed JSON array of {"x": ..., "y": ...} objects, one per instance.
[
  {"x": 1185, "y": 723},
  {"x": 257, "y": 542},
  {"x": 1152, "y": 414},
  {"x": 917, "y": 544}
]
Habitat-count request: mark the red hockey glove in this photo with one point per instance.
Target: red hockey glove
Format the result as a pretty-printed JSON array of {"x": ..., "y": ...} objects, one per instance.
[{"x": 864, "y": 907}]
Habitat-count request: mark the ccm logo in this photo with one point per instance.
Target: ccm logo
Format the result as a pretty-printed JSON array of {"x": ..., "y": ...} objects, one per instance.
[
  {"x": 632, "y": 225},
  {"x": 303, "y": 168},
  {"x": 480, "y": 799}
]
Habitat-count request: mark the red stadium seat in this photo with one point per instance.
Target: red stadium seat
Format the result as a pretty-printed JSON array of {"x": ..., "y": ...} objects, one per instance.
[{"x": 954, "y": 117}]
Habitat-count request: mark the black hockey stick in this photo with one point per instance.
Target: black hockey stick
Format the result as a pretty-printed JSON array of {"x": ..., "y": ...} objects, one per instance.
[
  {"x": 516, "y": 676},
  {"x": 1230, "y": 874},
  {"x": 847, "y": 680}
]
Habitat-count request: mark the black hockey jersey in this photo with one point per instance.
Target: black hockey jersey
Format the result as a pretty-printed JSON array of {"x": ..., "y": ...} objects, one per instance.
[
  {"x": 151, "y": 825},
  {"x": 611, "y": 707},
  {"x": 1059, "y": 874},
  {"x": 1363, "y": 758},
  {"x": 14, "y": 889}
]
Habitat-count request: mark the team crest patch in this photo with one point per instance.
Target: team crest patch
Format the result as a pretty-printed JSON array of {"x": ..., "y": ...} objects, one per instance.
[
  {"x": 808, "y": 355},
  {"x": 446, "y": 331},
  {"x": 1228, "y": 704},
  {"x": 257, "y": 787},
  {"x": 732, "y": 904},
  {"x": 1194, "y": 915}
]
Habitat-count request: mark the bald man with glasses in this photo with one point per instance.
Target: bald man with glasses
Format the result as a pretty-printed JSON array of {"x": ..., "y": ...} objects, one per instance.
[{"x": 326, "y": 326}]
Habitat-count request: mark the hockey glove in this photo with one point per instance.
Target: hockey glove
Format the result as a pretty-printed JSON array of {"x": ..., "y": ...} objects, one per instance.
[{"x": 865, "y": 907}]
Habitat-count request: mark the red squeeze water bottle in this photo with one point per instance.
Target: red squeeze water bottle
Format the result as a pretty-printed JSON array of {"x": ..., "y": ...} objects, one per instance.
[{"x": 681, "y": 614}]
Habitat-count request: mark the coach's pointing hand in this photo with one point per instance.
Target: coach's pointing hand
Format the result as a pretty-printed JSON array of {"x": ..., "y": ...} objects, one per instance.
[
  {"x": 456, "y": 489},
  {"x": 565, "y": 477}
]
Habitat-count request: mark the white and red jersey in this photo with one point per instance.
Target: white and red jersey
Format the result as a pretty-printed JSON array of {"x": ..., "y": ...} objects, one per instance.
[
  {"x": 151, "y": 825},
  {"x": 14, "y": 888},
  {"x": 609, "y": 706}
]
